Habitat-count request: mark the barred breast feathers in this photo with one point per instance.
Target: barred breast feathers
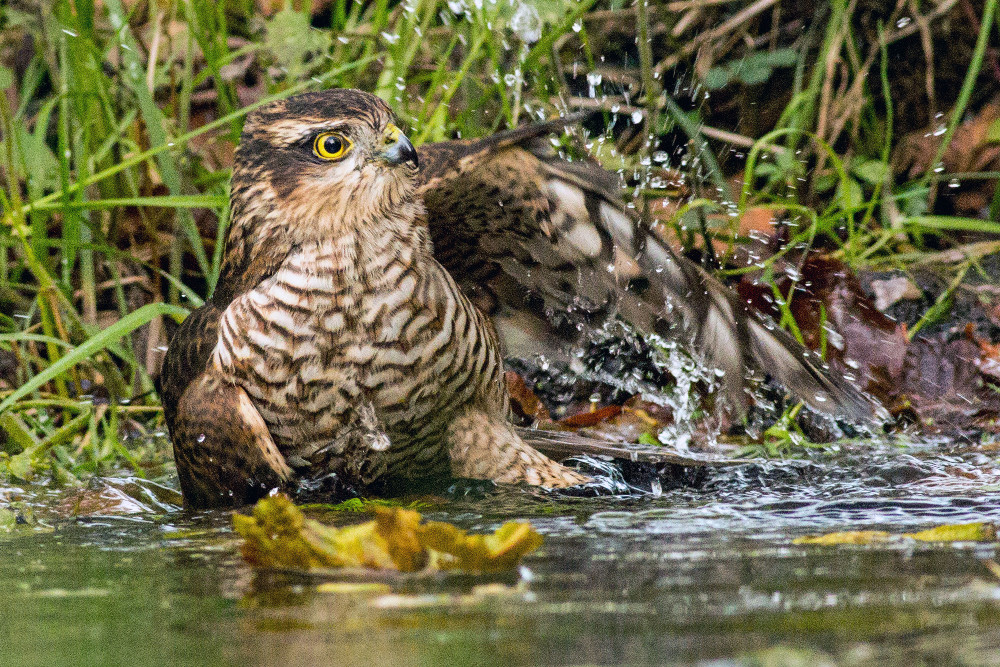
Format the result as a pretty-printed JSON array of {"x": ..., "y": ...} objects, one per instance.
[{"x": 333, "y": 330}]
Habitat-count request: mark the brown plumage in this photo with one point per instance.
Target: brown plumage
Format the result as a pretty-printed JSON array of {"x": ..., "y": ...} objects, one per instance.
[
  {"x": 527, "y": 234},
  {"x": 337, "y": 344}
]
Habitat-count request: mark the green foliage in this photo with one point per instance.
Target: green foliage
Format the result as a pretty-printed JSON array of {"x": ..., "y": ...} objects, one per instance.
[
  {"x": 115, "y": 136},
  {"x": 754, "y": 69},
  {"x": 293, "y": 43},
  {"x": 111, "y": 177},
  {"x": 782, "y": 439}
]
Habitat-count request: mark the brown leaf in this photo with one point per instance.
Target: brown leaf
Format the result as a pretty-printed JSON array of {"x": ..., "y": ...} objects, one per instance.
[
  {"x": 932, "y": 380},
  {"x": 974, "y": 147},
  {"x": 829, "y": 298},
  {"x": 523, "y": 401},
  {"x": 591, "y": 418}
]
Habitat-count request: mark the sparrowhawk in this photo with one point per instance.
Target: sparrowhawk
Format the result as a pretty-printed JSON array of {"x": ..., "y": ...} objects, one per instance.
[{"x": 353, "y": 330}]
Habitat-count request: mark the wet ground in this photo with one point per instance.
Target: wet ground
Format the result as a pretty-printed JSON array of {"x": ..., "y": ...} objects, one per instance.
[{"x": 693, "y": 576}]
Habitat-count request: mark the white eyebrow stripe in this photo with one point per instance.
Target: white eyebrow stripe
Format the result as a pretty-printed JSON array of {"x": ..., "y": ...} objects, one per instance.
[{"x": 291, "y": 131}]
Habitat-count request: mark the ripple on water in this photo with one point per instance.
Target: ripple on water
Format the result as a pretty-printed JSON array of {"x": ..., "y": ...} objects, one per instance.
[{"x": 697, "y": 573}]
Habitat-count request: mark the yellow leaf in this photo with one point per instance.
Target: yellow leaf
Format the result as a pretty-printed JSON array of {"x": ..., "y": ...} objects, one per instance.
[
  {"x": 398, "y": 527},
  {"x": 963, "y": 532},
  {"x": 847, "y": 537},
  {"x": 959, "y": 532},
  {"x": 353, "y": 588},
  {"x": 278, "y": 535}
]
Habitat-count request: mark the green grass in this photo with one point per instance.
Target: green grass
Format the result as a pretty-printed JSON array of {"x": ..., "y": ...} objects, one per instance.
[{"x": 116, "y": 134}]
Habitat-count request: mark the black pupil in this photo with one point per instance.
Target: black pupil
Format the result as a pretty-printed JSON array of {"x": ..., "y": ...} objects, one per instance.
[{"x": 332, "y": 145}]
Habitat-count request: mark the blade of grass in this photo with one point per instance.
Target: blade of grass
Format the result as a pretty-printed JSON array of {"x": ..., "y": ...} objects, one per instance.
[
  {"x": 968, "y": 84},
  {"x": 95, "y": 344}
]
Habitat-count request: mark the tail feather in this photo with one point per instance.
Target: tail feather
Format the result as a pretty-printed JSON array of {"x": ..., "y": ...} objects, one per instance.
[{"x": 561, "y": 445}]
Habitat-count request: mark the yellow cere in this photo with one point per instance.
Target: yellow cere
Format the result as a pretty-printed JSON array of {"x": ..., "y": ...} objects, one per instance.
[{"x": 391, "y": 134}]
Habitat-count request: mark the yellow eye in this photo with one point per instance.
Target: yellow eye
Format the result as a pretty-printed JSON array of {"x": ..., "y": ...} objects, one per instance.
[{"x": 331, "y": 146}]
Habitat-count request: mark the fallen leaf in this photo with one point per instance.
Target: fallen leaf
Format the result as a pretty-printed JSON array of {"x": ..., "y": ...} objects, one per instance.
[
  {"x": 525, "y": 402},
  {"x": 960, "y": 532},
  {"x": 846, "y": 537},
  {"x": 454, "y": 549},
  {"x": 278, "y": 535},
  {"x": 591, "y": 418},
  {"x": 891, "y": 290},
  {"x": 353, "y": 588},
  {"x": 936, "y": 379}
]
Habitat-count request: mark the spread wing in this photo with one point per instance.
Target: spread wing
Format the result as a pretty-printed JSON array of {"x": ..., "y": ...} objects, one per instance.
[{"x": 529, "y": 235}]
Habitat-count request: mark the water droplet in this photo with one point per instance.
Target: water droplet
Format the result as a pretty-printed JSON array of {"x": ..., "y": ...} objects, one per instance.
[
  {"x": 593, "y": 80},
  {"x": 903, "y": 22},
  {"x": 201, "y": 437},
  {"x": 954, "y": 183},
  {"x": 637, "y": 116},
  {"x": 577, "y": 25},
  {"x": 526, "y": 23}
]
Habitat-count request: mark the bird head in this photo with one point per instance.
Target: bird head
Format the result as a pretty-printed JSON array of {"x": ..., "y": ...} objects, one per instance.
[{"x": 324, "y": 163}]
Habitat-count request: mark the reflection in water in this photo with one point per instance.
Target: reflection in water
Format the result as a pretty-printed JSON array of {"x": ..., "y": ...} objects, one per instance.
[{"x": 696, "y": 574}]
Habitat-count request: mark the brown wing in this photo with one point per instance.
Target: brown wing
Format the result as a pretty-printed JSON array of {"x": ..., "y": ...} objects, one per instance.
[
  {"x": 224, "y": 453},
  {"x": 187, "y": 355},
  {"x": 527, "y": 234}
]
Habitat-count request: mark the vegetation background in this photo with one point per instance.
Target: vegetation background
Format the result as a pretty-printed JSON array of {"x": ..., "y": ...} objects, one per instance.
[{"x": 755, "y": 133}]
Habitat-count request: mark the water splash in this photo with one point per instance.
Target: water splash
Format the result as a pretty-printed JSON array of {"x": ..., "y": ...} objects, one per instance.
[{"x": 526, "y": 23}]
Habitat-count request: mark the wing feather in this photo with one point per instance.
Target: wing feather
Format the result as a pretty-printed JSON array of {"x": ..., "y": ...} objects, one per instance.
[{"x": 520, "y": 228}]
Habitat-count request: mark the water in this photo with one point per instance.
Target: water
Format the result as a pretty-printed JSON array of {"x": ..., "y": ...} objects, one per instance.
[{"x": 703, "y": 575}]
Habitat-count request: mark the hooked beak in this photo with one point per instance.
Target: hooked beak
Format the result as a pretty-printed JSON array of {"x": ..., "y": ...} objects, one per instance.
[{"x": 397, "y": 149}]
